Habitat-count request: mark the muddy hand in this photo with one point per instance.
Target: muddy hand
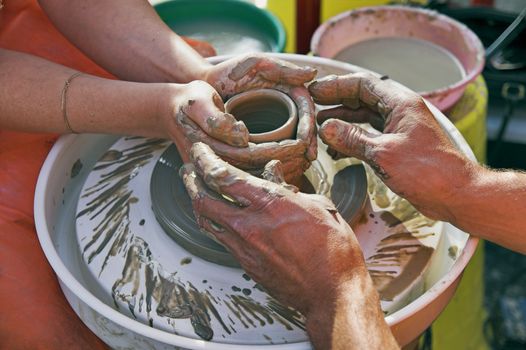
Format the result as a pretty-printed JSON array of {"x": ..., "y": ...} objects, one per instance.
[
  {"x": 197, "y": 106},
  {"x": 295, "y": 154},
  {"x": 411, "y": 152},
  {"x": 296, "y": 245},
  {"x": 256, "y": 71}
]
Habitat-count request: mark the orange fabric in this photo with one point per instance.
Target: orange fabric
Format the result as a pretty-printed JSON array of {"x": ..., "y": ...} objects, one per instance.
[
  {"x": 25, "y": 27},
  {"x": 35, "y": 314},
  {"x": 33, "y": 311}
]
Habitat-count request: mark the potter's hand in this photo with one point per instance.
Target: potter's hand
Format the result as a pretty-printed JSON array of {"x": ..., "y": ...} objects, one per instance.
[
  {"x": 296, "y": 245},
  {"x": 195, "y": 123},
  {"x": 196, "y": 108},
  {"x": 194, "y": 112},
  {"x": 256, "y": 71},
  {"x": 412, "y": 155}
]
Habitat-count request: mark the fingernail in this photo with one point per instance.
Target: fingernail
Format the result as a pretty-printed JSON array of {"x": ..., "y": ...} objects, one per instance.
[
  {"x": 318, "y": 87},
  {"x": 314, "y": 88},
  {"x": 311, "y": 70},
  {"x": 239, "y": 134},
  {"x": 330, "y": 130}
]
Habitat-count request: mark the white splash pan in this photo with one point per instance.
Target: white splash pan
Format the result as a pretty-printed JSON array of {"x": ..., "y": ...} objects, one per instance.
[{"x": 57, "y": 191}]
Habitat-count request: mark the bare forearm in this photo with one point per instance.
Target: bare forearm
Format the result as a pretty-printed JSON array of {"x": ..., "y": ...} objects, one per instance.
[
  {"x": 493, "y": 207},
  {"x": 127, "y": 38},
  {"x": 31, "y": 97},
  {"x": 354, "y": 321}
]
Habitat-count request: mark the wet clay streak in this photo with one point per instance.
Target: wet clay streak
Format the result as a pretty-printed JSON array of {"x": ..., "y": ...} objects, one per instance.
[
  {"x": 399, "y": 249},
  {"x": 400, "y": 257}
]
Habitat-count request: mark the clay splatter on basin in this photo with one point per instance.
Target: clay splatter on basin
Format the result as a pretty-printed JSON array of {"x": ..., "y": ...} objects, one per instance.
[{"x": 154, "y": 280}]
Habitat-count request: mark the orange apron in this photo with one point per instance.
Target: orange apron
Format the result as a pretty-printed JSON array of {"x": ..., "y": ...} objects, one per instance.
[{"x": 33, "y": 311}]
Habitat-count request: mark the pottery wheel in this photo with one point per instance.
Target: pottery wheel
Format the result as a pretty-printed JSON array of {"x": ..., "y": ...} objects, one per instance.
[
  {"x": 349, "y": 191},
  {"x": 143, "y": 254}
]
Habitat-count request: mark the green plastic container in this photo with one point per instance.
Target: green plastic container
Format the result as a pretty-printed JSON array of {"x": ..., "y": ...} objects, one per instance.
[{"x": 231, "y": 26}]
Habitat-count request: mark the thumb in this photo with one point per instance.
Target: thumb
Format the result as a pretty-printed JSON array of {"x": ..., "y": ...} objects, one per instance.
[
  {"x": 348, "y": 139},
  {"x": 273, "y": 172}
]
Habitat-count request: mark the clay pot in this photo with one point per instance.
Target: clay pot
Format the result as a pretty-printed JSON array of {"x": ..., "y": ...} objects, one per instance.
[{"x": 270, "y": 115}]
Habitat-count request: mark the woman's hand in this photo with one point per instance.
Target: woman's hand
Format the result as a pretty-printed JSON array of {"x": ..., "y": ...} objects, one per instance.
[{"x": 195, "y": 112}]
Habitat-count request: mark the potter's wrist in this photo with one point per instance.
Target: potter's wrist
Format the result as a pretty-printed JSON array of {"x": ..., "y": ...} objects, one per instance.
[
  {"x": 325, "y": 300},
  {"x": 355, "y": 296},
  {"x": 444, "y": 185},
  {"x": 465, "y": 183},
  {"x": 166, "y": 107}
]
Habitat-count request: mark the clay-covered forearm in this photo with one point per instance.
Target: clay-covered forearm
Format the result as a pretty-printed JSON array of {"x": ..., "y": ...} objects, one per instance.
[
  {"x": 127, "y": 38},
  {"x": 32, "y": 99},
  {"x": 354, "y": 320},
  {"x": 493, "y": 206}
]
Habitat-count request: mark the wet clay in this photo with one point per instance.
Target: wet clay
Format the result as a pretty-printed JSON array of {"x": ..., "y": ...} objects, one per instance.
[
  {"x": 399, "y": 249},
  {"x": 269, "y": 115},
  {"x": 173, "y": 210},
  {"x": 400, "y": 257},
  {"x": 179, "y": 300}
]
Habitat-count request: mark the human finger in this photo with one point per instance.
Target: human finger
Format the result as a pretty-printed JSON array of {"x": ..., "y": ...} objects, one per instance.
[
  {"x": 360, "y": 89},
  {"x": 241, "y": 188},
  {"x": 255, "y": 156},
  {"x": 360, "y": 115},
  {"x": 283, "y": 72},
  {"x": 273, "y": 172},
  {"x": 271, "y": 69},
  {"x": 335, "y": 155},
  {"x": 212, "y": 211},
  {"x": 228, "y": 238},
  {"x": 347, "y": 138},
  {"x": 209, "y": 114},
  {"x": 306, "y": 129}
]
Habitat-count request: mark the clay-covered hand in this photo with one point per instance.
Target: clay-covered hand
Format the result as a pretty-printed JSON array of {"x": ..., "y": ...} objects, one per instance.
[
  {"x": 296, "y": 245},
  {"x": 256, "y": 71},
  {"x": 206, "y": 122},
  {"x": 411, "y": 153},
  {"x": 195, "y": 112}
]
